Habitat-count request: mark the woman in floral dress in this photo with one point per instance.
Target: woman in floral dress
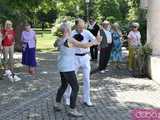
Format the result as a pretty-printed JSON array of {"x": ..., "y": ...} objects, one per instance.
[{"x": 116, "y": 56}]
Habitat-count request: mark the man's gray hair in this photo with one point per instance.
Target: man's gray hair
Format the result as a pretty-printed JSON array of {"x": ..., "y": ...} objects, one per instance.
[{"x": 78, "y": 20}]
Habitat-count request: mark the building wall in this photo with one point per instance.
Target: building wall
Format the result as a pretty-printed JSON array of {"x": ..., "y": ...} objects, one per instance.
[
  {"x": 153, "y": 37},
  {"x": 153, "y": 26}
]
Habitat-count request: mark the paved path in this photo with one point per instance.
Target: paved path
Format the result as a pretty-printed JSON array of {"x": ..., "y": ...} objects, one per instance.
[{"x": 115, "y": 94}]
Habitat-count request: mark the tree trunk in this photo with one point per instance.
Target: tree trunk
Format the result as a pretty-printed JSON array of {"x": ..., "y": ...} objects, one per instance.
[{"x": 19, "y": 28}]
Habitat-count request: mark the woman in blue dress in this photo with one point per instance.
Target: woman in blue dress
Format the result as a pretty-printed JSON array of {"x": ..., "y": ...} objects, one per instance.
[{"x": 116, "y": 55}]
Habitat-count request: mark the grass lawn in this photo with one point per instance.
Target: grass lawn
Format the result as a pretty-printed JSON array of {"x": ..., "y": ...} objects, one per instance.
[{"x": 45, "y": 42}]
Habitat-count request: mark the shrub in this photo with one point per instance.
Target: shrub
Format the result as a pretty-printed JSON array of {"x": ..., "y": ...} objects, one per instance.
[{"x": 141, "y": 60}]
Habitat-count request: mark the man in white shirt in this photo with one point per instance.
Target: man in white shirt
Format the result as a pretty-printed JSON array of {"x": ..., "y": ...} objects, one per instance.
[{"x": 83, "y": 60}]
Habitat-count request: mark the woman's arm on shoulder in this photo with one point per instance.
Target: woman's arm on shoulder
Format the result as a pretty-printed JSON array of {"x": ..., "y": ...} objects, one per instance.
[
  {"x": 80, "y": 44},
  {"x": 58, "y": 42}
]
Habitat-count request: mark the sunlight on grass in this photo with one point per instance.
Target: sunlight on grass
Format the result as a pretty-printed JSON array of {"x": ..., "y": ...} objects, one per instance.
[{"x": 45, "y": 42}]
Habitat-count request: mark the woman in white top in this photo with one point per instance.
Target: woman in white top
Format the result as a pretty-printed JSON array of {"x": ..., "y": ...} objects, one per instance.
[
  {"x": 66, "y": 67},
  {"x": 134, "y": 40}
]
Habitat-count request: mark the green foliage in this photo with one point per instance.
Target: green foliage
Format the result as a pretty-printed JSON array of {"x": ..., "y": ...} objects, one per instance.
[
  {"x": 56, "y": 28},
  {"x": 145, "y": 50},
  {"x": 22, "y": 10},
  {"x": 39, "y": 11},
  {"x": 143, "y": 25},
  {"x": 57, "y": 32},
  {"x": 110, "y": 8},
  {"x": 45, "y": 43},
  {"x": 141, "y": 59},
  {"x": 112, "y": 19},
  {"x": 34, "y": 10}
]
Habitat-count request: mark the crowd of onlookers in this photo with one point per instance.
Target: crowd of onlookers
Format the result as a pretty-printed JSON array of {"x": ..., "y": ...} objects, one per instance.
[
  {"x": 7, "y": 43},
  {"x": 110, "y": 49}
]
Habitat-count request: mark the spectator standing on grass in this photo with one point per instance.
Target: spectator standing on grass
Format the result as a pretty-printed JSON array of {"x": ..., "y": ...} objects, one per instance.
[
  {"x": 8, "y": 43},
  {"x": 28, "y": 39}
]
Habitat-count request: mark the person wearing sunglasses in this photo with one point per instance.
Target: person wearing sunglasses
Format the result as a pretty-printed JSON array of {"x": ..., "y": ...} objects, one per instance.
[{"x": 134, "y": 40}]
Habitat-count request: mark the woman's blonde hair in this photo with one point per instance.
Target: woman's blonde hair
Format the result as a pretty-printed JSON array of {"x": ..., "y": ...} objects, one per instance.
[
  {"x": 116, "y": 27},
  {"x": 8, "y": 22}
]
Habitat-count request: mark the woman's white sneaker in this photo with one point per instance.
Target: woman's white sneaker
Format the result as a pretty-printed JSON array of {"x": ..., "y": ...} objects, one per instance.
[
  {"x": 75, "y": 113},
  {"x": 7, "y": 72},
  {"x": 102, "y": 71},
  {"x": 13, "y": 78},
  {"x": 10, "y": 77}
]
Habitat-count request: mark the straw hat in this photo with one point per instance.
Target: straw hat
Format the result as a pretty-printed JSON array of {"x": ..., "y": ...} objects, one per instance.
[{"x": 135, "y": 24}]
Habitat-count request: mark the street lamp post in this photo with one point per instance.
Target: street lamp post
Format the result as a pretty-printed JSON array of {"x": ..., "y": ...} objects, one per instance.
[{"x": 87, "y": 9}]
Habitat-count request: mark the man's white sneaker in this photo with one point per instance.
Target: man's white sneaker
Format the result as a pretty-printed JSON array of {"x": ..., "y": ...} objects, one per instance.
[
  {"x": 16, "y": 78},
  {"x": 75, "y": 113},
  {"x": 102, "y": 71},
  {"x": 106, "y": 70}
]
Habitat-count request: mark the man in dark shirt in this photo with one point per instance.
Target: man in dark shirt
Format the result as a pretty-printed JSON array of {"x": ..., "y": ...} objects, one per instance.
[{"x": 93, "y": 28}]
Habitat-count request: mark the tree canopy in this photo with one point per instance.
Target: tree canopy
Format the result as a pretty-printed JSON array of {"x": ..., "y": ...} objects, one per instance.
[{"x": 49, "y": 10}]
